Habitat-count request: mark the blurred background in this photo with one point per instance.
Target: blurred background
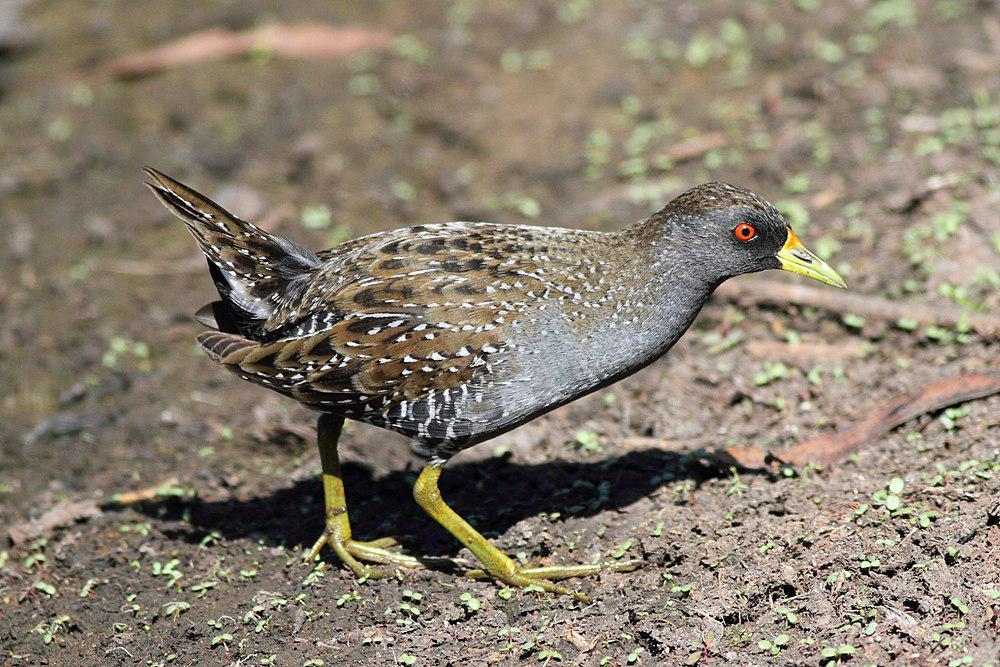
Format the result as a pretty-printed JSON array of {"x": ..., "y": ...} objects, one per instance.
[{"x": 874, "y": 126}]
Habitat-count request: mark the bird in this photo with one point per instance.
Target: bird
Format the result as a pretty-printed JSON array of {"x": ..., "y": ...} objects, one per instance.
[{"x": 454, "y": 333}]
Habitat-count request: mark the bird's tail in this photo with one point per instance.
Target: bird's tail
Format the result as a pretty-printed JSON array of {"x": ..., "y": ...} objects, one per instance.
[{"x": 252, "y": 269}]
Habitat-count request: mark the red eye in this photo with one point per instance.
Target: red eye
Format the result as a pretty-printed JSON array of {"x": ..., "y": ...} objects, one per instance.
[{"x": 744, "y": 231}]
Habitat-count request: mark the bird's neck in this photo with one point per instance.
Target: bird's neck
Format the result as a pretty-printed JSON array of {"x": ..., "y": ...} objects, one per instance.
[
  {"x": 660, "y": 267},
  {"x": 655, "y": 299}
]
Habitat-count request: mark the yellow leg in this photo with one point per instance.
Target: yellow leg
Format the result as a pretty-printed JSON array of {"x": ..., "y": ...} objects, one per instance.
[
  {"x": 337, "y": 533},
  {"x": 495, "y": 562}
]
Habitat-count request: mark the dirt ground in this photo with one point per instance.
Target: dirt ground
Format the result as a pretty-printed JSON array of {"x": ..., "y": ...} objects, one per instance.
[{"x": 873, "y": 123}]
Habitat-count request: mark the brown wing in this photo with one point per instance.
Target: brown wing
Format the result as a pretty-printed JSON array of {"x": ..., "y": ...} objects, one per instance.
[{"x": 400, "y": 316}]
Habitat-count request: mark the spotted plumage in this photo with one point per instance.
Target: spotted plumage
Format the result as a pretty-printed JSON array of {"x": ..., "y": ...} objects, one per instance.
[{"x": 453, "y": 333}]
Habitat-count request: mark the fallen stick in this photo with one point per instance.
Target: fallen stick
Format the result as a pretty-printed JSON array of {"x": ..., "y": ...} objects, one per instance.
[
  {"x": 64, "y": 513},
  {"x": 755, "y": 292},
  {"x": 140, "y": 495},
  {"x": 809, "y": 351},
  {"x": 307, "y": 40},
  {"x": 833, "y": 447},
  {"x": 695, "y": 147}
]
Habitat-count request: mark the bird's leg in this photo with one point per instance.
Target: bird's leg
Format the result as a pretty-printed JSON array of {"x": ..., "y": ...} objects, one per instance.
[
  {"x": 495, "y": 562},
  {"x": 337, "y": 533}
]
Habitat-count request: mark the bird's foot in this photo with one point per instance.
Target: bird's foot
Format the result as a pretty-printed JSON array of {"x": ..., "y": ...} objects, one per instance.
[
  {"x": 351, "y": 552},
  {"x": 544, "y": 576}
]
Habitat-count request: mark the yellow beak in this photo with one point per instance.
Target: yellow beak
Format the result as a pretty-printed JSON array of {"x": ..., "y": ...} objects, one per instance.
[{"x": 795, "y": 258}]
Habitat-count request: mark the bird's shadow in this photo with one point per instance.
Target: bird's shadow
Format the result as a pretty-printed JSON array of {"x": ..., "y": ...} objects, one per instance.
[{"x": 493, "y": 494}]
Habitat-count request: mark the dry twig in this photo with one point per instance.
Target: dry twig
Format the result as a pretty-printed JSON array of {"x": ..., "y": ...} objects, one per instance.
[
  {"x": 306, "y": 40},
  {"x": 64, "y": 513},
  {"x": 695, "y": 147},
  {"x": 833, "y": 447},
  {"x": 754, "y": 292},
  {"x": 147, "y": 493}
]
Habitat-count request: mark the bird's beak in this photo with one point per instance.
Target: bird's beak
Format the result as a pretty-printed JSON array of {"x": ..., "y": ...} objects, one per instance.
[{"x": 795, "y": 258}]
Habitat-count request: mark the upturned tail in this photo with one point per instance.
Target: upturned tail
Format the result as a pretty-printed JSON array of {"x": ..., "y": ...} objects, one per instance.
[{"x": 253, "y": 270}]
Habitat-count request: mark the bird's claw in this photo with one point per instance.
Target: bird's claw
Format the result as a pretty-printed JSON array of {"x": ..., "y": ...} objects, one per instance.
[
  {"x": 544, "y": 576},
  {"x": 384, "y": 551}
]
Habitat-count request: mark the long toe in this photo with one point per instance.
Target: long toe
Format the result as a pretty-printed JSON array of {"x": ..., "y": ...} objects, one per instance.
[
  {"x": 351, "y": 553},
  {"x": 624, "y": 565},
  {"x": 556, "y": 572},
  {"x": 522, "y": 581},
  {"x": 375, "y": 554},
  {"x": 317, "y": 547},
  {"x": 559, "y": 572},
  {"x": 381, "y": 543}
]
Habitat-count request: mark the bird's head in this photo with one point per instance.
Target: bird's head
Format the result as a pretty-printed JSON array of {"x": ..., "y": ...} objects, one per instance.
[{"x": 726, "y": 231}]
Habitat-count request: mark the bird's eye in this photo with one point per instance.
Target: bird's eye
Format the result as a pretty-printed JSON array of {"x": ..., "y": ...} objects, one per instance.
[{"x": 745, "y": 231}]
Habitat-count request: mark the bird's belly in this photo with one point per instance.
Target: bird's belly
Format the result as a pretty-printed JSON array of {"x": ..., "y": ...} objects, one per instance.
[
  {"x": 526, "y": 383},
  {"x": 540, "y": 370}
]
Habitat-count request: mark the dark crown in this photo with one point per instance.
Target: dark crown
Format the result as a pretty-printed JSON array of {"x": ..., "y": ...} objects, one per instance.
[{"x": 715, "y": 196}]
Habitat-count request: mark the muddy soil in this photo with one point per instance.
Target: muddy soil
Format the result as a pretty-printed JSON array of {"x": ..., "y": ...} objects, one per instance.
[{"x": 875, "y": 126}]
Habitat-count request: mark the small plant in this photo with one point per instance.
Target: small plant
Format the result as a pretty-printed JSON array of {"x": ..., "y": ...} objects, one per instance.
[
  {"x": 620, "y": 552},
  {"x": 736, "y": 485},
  {"x": 774, "y": 646},
  {"x": 142, "y": 528},
  {"x": 950, "y": 417},
  {"x": 200, "y": 590},
  {"x": 587, "y": 441},
  {"x": 870, "y": 564},
  {"x": 889, "y": 497},
  {"x": 791, "y": 618},
  {"x": 176, "y": 608},
  {"x": 350, "y": 596},
  {"x": 831, "y": 655},
  {"x": 316, "y": 575},
  {"x": 36, "y": 555},
  {"x": 471, "y": 603},
  {"x": 316, "y": 216},
  {"x": 853, "y": 321},
  {"x": 681, "y": 590},
  {"x": 120, "y": 347},
  {"x": 522, "y": 204},
  {"x": 773, "y": 371},
  {"x": 213, "y": 536},
  {"x": 682, "y": 491},
  {"x": 409, "y": 610},
  {"x": 548, "y": 654},
  {"x": 168, "y": 570},
  {"x": 45, "y": 587},
  {"x": 895, "y": 487},
  {"x": 48, "y": 630},
  {"x": 925, "y": 518},
  {"x": 87, "y": 588}
]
